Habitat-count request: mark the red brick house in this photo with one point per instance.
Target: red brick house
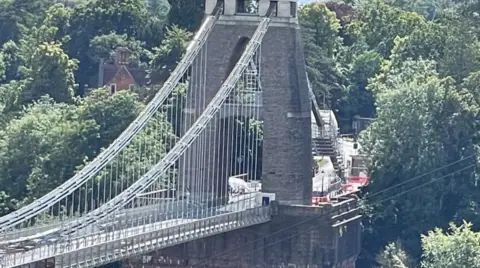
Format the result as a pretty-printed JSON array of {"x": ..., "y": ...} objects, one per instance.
[{"x": 120, "y": 75}]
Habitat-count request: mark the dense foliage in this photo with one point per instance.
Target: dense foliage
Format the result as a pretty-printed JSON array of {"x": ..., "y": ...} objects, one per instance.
[
  {"x": 49, "y": 53},
  {"x": 413, "y": 65}
]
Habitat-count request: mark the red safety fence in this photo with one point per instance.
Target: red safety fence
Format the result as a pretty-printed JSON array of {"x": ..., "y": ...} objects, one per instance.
[
  {"x": 347, "y": 187},
  {"x": 320, "y": 199},
  {"x": 358, "y": 179}
]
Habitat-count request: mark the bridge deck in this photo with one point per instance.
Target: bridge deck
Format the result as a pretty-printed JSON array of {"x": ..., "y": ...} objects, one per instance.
[{"x": 101, "y": 248}]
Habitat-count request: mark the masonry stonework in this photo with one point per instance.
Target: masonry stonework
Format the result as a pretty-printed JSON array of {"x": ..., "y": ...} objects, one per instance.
[
  {"x": 298, "y": 236},
  {"x": 287, "y": 158}
]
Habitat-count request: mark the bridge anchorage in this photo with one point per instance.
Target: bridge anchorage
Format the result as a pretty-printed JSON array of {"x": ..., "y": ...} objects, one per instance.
[{"x": 218, "y": 162}]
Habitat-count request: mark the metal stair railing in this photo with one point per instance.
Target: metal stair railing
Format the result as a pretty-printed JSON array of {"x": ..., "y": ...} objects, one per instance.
[
  {"x": 335, "y": 133},
  {"x": 328, "y": 129},
  {"x": 315, "y": 107}
]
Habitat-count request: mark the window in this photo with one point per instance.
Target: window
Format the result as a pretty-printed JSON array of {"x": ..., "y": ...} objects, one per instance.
[
  {"x": 275, "y": 11},
  {"x": 113, "y": 88},
  {"x": 247, "y": 6},
  {"x": 131, "y": 86},
  {"x": 241, "y": 6},
  {"x": 223, "y": 8},
  {"x": 293, "y": 9}
]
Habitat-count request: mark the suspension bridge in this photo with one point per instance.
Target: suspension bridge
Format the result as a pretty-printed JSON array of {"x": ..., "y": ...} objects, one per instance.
[{"x": 238, "y": 106}]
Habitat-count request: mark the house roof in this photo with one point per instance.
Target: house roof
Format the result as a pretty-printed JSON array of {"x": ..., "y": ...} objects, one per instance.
[
  {"x": 139, "y": 75},
  {"x": 110, "y": 71}
]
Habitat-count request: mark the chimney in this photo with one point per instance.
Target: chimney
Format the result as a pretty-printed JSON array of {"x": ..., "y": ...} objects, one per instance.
[{"x": 121, "y": 56}]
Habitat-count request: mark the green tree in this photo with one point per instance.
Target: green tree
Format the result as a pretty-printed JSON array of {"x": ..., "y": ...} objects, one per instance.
[
  {"x": 41, "y": 149},
  {"x": 320, "y": 33},
  {"x": 152, "y": 33},
  {"x": 359, "y": 100},
  {"x": 12, "y": 60},
  {"x": 97, "y": 18},
  {"x": 58, "y": 17},
  {"x": 49, "y": 142},
  {"x": 103, "y": 47},
  {"x": 112, "y": 113},
  {"x": 18, "y": 15},
  {"x": 2, "y": 67},
  {"x": 158, "y": 8},
  {"x": 456, "y": 249},
  {"x": 428, "y": 8},
  {"x": 393, "y": 256},
  {"x": 422, "y": 43},
  {"x": 461, "y": 53},
  {"x": 10, "y": 97},
  {"x": 187, "y": 14},
  {"x": 50, "y": 71},
  {"x": 423, "y": 122},
  {"x": 321, "y": 27},
  {"x": 166, "y": 56},
  {"x": 377, "y": 24},
  {"x": 105, "y": 16},
  {"x": 450, "y": 41}
]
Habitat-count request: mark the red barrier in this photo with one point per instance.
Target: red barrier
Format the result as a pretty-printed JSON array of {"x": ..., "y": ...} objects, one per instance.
[
  {"x": 358, "y": 179},
  {"x": 347, "y": 187},
  {"x": 320, "y": 199}
]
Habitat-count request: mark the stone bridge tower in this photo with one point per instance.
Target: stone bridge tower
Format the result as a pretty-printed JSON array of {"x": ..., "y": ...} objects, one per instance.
[
  {"x": 287, "y": 153},
  {"x": 298, "y": 235}
]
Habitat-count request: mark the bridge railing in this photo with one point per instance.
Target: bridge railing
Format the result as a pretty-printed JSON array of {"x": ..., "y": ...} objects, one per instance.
[
  {"x": 100, "y": 248},
  {"x": 155, "y": 174},
  {"x": 99, "y": 180}
]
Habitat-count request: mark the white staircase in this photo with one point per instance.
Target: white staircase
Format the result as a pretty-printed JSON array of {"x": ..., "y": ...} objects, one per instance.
[{"x": 325, "y": 136}]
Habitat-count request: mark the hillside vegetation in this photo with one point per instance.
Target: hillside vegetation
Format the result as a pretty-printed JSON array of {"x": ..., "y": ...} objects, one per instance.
[{"x": 413, "y": 65}]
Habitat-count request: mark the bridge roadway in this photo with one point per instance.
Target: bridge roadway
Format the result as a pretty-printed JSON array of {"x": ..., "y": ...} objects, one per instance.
[
  {"x": 105, "y": 246},
  {"x": 162, "y": 211},
  {"x": 128, "y": 233}
]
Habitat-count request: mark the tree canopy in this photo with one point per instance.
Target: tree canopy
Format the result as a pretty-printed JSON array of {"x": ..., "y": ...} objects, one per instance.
[
  {"x": 49, "y": 53},
  {"x": 412, "y": 65},
  {"x": 456, "y": 249}
]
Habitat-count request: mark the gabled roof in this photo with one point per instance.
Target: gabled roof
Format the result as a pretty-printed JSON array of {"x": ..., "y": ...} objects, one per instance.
[
  {"x": 139, "y": 75},
  {"x": 110, "y": 71}
]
